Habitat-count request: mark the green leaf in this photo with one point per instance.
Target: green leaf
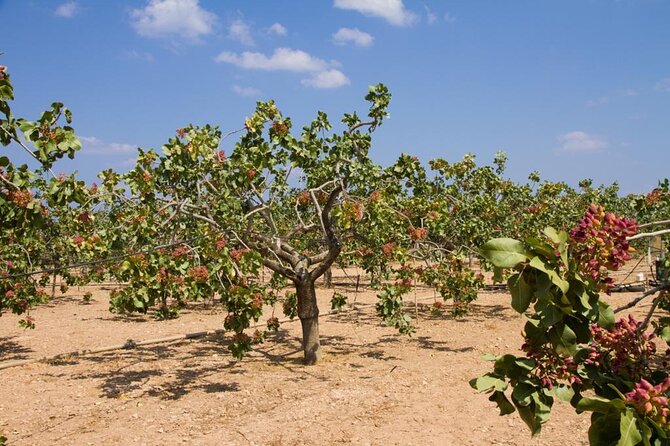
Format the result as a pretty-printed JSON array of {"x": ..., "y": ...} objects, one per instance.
[
  {"x": 522, "y": 394},
  {"x": 563, "y": 339},
  {"x": 555, "y": 236},
  {"x": 4, "y": 161},
  {"x": 527, "y": 414},
  {"x": 630, "y": 435},
  {"x": 503, "y": 403},
  {"x": 522, "y": 292},
  {"x": 605, "y": 315},
  {"x": 504, "y": 252},
  {"x": 601, "y": 432},
  {"x": 488, "y": 382},
  {"x": 600, "y": 405},
  {"x": 563, "y": 393},
  {"x": 556, "y": 279}
]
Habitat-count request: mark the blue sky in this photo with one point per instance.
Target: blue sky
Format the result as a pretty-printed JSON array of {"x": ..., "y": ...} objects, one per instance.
[{"x": 574, "y": 89}]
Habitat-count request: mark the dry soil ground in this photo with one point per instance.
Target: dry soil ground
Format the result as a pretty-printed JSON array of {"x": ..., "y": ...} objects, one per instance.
[{"x": 373, "y": 386}]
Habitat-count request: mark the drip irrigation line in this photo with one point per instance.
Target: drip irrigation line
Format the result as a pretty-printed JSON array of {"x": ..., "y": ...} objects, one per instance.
[
  {"x": 99, "y": 261},
  {"x": 131, "y": 344}
]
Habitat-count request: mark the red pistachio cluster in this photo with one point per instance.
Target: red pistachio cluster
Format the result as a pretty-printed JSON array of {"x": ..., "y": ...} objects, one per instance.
[
  {"x": 21, "y": 198},
  {"x": 180, "y": 252},
  {"x": 651, "y": 401},
  {"x": 220, "y": 244},
  {"x": 552, "y": 367},
  {"x": 273, "y": 324},
  {"x": 622, "y": 348},
  {"x": 599, "y": 243},
  {"x": 199, "y": 274},
  {"x": 237, "y": 254},
  {"x": 418, "y": 233},
  {"x": 389, "y": 248}
]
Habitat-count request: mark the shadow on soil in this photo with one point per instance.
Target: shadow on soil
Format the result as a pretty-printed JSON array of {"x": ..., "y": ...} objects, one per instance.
[
  {"x": 11, "y": 350},
  {"x": 171, "y": 371},
  {"x": 166, "y": 371}
]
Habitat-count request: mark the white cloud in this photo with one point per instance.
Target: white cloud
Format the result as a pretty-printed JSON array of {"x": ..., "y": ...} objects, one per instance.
[
  {"x": 66, "y": 10},
  {"x": 323, "y": 75},
  {"x": 574, "y": 142},
  {"x": 94, "y": 146},
  {"x": 663, "y": 85},
  {"x": 277, "y": 29},
  {"x": 598, "y": 101},
  {"x": 327, "y": 79},
  {"x": 246, "y": 91},
  {"x": 449, "y": 18},
  {"x": 283, "y": 59},
  {"x": 352, "y": 35},
  {"x": 173, "y": 18},
  {"x": 393, "y": 11},
  {"x": 241, "y": 32}
]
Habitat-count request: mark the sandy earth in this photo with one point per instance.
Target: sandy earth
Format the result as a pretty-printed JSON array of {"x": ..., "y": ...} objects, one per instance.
[{"x": 373, "y": 386}]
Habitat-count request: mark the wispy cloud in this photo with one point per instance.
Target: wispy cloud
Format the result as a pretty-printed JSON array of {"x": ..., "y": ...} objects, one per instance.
[
  {"x": 449, "y": 18},
  {"x": 598, "y": 101},
  {"x": 393, "y": 11},
  {"x": 431, "y": 17},
  {"x": 352, "y": 35},
  {"x": 580, "y": 142},
  {"x": 627, "y": 92},
  {"x": 277, "y": 29},
  {"x": 66, "y": 10},
  {"x": 323, "y": 75},
  {"x": 241, "y": 32},
  {"x": 246, "y": 91},
  {"x": 139, "y": 55},
  {"x": 183, "y": 19},
  {"x": 663, "y": 85},
  {"x": 94, "y": 146}
]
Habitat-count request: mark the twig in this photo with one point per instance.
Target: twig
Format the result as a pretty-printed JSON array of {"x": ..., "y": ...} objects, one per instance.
[
  {"x": 635, "y": 301},
  {"x": 657, "y": 300}
]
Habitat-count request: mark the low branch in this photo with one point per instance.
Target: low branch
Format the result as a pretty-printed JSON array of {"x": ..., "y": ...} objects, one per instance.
[
  {"x": 654, "y": 223},
  {"x": 635, "y": 301},
  {"x": 648, "y": 234}
]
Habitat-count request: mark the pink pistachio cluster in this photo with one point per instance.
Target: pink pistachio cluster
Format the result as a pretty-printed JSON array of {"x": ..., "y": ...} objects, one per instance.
[
  {"x": 237, "y": 254},
  {"x": 622, "y": 348},
  {"x": 21, "y": 198},
  {"x": 273, "y": 324},
  {"x": 164, "y": 276},
  {"x": 180, "y": 252},
  {"x": 199, "y": 274},
  {"x": 552, "y": 367},
  {"x": 651, "y": 401},
  {"x": 599, "y": 243}
]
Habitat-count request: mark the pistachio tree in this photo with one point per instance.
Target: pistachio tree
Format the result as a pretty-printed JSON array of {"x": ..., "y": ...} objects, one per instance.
[{"x": 275, "y": 200}]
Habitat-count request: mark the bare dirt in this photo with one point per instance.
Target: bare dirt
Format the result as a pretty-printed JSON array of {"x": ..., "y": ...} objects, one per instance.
[{"x": 372, "y": 386}]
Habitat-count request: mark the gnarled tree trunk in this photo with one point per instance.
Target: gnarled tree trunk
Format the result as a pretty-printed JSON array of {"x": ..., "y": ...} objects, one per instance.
[{"x": 308, "y": 312}]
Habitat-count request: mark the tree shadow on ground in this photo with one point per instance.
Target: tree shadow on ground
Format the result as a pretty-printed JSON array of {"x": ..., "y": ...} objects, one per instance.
[
  {"x": 11, "y": 350},
  {"x": 167, "y": 372}
]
